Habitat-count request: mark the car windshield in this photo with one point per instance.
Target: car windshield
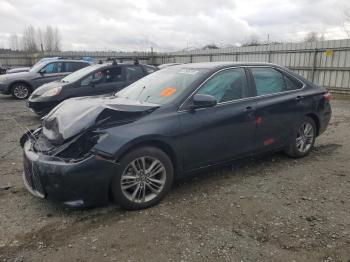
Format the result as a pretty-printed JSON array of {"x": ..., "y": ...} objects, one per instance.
[
  {"x": 163, "y": 86},
  {"x": 38, "y": 66},
  {"x": 80, "y": 73}
]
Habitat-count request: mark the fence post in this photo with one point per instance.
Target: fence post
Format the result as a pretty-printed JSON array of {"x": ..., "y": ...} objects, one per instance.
[{"x": 313, "y": 65}]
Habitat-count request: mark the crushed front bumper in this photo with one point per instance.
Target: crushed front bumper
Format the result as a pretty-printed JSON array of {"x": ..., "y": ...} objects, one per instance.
[{"x": 84, "y": 182}]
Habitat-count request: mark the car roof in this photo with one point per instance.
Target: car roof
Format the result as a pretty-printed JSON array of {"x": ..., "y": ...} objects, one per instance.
[
  {"x": 219, "y": 65},
  {"x": 65, "y": 60}
]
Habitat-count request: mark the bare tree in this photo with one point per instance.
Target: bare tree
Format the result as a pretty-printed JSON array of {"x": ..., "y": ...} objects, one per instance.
[
  {"x": 49, "y": 38},
  {"x": 14, "y": 42},
  {"x": 57, "y": 40},
  {"x": 28, "y": 39},
  {"x": 40, "y": 39},
  {"x": 252, "y": 41},
  {"x": 210, "y": 46},
  {"x": 313, "y": 36},
  {"x": 52, "y": 39}
]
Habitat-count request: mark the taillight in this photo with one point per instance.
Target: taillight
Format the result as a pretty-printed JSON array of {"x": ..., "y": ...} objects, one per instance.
[{"x": 327, "y": 96}]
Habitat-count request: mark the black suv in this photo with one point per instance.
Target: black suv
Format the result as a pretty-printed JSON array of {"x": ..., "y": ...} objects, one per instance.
[
  {"x": 22, "y": 84},
  {"x": 98, "y": 79}
]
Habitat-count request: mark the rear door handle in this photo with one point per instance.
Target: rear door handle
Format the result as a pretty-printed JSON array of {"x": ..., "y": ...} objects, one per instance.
[{"x": 299, "y": 97}]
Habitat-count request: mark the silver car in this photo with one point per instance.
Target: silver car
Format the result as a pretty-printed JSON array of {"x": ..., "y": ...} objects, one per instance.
[{"x": 22, "y": 84}]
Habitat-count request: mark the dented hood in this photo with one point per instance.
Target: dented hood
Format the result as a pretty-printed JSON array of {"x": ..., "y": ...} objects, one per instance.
[{"x": 75, "y": 115}]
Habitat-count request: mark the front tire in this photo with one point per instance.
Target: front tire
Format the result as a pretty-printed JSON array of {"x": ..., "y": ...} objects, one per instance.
[
  {"x": 146, "y": 177},
  {"x": 303, "y": 139},
  {"x": 20, "y": 91}
]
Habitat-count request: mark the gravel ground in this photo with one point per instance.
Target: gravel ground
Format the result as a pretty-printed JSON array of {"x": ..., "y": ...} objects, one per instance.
[{"x": 270, "y": 208}]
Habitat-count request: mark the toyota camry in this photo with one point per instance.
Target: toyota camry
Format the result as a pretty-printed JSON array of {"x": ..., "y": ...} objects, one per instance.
[{"x": 130, "y": 147}]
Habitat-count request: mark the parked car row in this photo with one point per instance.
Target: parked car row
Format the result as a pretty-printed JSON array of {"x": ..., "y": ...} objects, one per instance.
[
  {"x": 93, "y": 80},
  {"x": 129, "y": 147}
]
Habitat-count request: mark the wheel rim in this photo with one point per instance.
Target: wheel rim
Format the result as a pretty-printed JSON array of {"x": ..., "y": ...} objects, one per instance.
[
  {"x": 143, "y": 179},
  {"x": 20, "y": 91},
  {"x": 305, "y": 137}
]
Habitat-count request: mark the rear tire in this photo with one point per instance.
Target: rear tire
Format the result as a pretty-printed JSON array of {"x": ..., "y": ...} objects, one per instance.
[
  {"x": 146, "y": 177},
  {"x": 20, "y": 91},
  {"x": 303, "y": 139}
]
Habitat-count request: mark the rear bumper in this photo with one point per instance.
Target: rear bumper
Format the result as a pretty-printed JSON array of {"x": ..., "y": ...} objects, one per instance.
[
  {"x": 75, "y": 184},
  {"x": 325, "y": 118}
]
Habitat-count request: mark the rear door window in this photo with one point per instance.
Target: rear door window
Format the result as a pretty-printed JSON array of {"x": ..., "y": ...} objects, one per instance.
[
  {"x": 270, "y": 81},
  {"x": 133, "y": 73},
  {"x": 73, "y": 66}
]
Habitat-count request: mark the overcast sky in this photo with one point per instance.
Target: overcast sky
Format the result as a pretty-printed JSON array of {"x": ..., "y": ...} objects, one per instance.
[{"x": 169, "y": 25}]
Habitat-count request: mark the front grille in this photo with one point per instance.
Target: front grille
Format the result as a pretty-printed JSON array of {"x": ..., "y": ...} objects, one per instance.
[{"x": 31, "y": 176}]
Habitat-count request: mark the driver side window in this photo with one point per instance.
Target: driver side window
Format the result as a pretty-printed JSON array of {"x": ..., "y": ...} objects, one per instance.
[
  {"x": 109, "y": 75},
  {"x": 95, "y": 77},
  {"x": 227, "y": 85},
  {"x": 52, "y": 68}
]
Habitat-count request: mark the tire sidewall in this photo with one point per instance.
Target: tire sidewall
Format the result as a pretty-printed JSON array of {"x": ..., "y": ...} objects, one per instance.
[
  {"x": 117, "y": 193},
  {"x": 20, "y": 84}
]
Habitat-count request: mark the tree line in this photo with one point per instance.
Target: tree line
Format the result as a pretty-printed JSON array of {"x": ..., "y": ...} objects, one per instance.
[{"x": 36, "y": 39}]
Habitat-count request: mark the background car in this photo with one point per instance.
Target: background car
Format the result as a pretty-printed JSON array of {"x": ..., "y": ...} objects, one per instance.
[
  {"x": 167, "y": 125},
  {"x": 2, "y": 69},
  {"x": 96, "y": 79},
  {"x": 167, "y": 65},
  {"x": 17, "y": 70},
  {"x": 22, "y": 84}
]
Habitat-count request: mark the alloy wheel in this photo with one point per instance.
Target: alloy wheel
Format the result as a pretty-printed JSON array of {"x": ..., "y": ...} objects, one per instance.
[
  {"x": 143, "y": 179},
  {"x": 305, "y": 137},
  {"x": 20, "y": 91}
]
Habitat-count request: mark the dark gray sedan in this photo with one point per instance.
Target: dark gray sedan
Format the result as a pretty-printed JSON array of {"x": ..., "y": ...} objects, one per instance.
[{"x": 22, "y": 84}]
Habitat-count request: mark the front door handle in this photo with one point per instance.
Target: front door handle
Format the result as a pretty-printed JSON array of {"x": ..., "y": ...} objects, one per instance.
[
  {"x": 299, "y": 97},
  {"x": 249, "y": 109}
]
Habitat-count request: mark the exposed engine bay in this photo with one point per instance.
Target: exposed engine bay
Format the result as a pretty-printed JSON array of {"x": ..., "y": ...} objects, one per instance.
[{"x": 72, "y": 129}]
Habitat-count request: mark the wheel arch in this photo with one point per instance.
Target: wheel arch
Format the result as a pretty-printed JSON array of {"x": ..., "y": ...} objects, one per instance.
[
  {"x": 21, "y": 82},
  {"x": 160, "y": 144},
  {"x": 314, "y": 117}
]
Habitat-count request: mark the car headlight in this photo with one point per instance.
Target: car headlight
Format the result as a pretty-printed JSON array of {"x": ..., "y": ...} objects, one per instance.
[
  {"x": 52, "y": 92},
  {"x": 3, "y": 79}
]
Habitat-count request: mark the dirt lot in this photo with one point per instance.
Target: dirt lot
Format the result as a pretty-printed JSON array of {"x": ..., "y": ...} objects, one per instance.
[{"x": 271, "y": 208}]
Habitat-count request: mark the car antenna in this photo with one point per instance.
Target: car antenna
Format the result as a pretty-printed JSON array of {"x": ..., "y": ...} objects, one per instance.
[{"x": 143, "y": 88}]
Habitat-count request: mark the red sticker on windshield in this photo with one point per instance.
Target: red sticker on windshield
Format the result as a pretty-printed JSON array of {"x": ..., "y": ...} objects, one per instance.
[{"x": 168, "y": 91}]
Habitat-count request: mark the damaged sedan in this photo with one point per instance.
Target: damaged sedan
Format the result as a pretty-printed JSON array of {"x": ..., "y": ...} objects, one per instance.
[{"x": 130, "y": 147}]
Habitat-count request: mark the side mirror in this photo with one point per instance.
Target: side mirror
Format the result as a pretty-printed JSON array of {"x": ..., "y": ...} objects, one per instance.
[
  {"x": 203, "y": 101},
  {"x": 42, "y": 71}
]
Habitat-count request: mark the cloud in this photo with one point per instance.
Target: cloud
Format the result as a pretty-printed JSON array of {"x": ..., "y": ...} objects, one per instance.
[{"x": 171, "y": 25}]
